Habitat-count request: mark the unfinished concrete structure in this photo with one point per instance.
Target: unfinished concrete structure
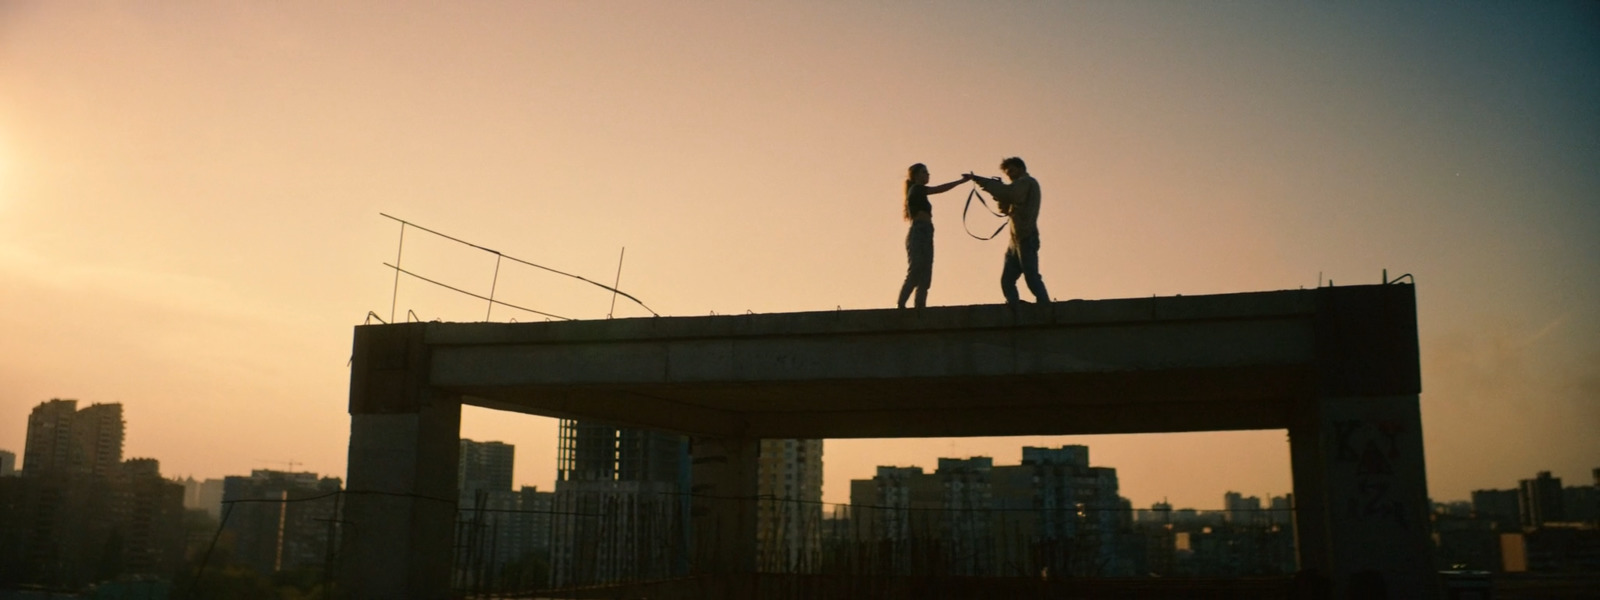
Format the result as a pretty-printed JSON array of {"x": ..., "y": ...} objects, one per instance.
[{"x": 1335, "y": 367}]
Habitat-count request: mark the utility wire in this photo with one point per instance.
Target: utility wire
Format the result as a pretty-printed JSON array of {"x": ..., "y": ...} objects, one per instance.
[{"x": 194, "y": 587}]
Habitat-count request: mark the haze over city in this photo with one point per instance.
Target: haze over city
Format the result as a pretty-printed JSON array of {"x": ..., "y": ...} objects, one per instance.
[{"x": 190, "y": 197}]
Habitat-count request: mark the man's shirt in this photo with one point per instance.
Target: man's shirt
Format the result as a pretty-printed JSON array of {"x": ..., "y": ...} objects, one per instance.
[{"x": 1024, "y": 196}]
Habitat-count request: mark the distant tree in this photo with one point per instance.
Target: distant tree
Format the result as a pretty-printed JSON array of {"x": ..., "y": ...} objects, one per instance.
[
  {"x": 298, "y": 583},
  {"x": 110, "y": 564},
  {"x": 531, "y": 572},
  {"x": 233, "y": 582}
]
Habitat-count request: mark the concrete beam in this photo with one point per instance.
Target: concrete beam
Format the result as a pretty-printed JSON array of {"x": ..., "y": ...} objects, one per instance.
[
  {"x": 732, "y": 375},
  {"x": 883, "y": 355}
]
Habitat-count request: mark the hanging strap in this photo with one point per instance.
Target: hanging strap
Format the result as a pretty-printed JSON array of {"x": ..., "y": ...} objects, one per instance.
[{"x": 976, "y": 194}]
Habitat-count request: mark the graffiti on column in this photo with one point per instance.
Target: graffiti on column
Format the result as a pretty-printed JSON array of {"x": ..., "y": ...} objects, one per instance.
[{"x": 1372, "y": 446}]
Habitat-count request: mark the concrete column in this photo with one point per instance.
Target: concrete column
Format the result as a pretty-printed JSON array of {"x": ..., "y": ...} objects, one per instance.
[
  {"x": 400, "y": 505},
  {"x": 724, "y": 505},
  {"x": 1361, "y": 497}
]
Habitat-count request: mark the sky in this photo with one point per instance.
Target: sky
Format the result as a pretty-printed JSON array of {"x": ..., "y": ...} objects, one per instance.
[{"x": 191, "y": 196}]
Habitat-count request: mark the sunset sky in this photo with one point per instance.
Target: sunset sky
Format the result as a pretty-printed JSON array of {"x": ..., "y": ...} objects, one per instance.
[{"x": 190, "y": 196}]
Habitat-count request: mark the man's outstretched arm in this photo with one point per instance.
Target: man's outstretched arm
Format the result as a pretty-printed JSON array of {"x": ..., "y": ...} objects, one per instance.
[{"x": 1004, "y": 194}]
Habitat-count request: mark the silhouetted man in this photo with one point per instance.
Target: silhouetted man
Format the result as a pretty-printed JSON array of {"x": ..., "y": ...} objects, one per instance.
[{"x": 1020, "y": 201}]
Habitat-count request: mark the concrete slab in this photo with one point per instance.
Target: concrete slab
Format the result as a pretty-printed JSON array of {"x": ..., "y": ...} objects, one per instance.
[{"x": 1231, "y": 361}]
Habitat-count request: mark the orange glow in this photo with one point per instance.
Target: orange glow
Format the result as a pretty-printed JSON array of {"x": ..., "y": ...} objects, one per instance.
[{"x": 190, "y": 196}]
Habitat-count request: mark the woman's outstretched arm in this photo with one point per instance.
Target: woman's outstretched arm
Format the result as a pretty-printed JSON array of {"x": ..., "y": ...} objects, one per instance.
[{"x": 945, "y": 187}]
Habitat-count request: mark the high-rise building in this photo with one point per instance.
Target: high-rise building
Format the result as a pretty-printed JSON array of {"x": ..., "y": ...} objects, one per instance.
[
  {"x": 149, "y": 511},
  {"x": 968, "y": 488},
  {"x": 8, "y": 463},
  {"x": 63, "y": 439},
  {"x": 895, "y": 504},
  {"x": 1159, "y": 513},
  {"x": 508, "y": 543},
  {"x": 1057, "y": 494},
  {"x": 537, "y": 509},
  {"x": 1500, "y": 507},
  {"x": 895, "y": 509},
  {"x": 1079, "y": 506},
  {"x": 1581, "y": 504},
  {"x": 484, "y": 466},
  {"x": 1243, "y": 510},
  {"x": 789, "y": 514},
  {"x": 1074, "y": 455},
  {"x": 621, "y": 505},
  {"x": 488, "y": 524},
  {"x": 80, "y": 513},
  {"x": 281, "y": 521},
  {"x": 49, "y": 444},
  {"x": 64, "y": 528},
  {"x": 1281, "y": 510},
  {"x": 203, "y": 495},
  {"x": 1100, "y": 500},
  {"x": 99, "y": 432},
  {"x": 1069, "y": 513},
  {"x": 1540, "y": 500}
]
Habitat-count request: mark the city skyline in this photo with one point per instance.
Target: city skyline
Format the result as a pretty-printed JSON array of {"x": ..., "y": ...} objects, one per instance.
[
  {"x": 190, "y": 196},
  {"x": 80, "y": 503},
  {"x": 928, "y": 464}
]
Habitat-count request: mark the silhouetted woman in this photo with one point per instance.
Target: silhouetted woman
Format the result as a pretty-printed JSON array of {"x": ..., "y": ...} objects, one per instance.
[{"x": 919, "y": 241}]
